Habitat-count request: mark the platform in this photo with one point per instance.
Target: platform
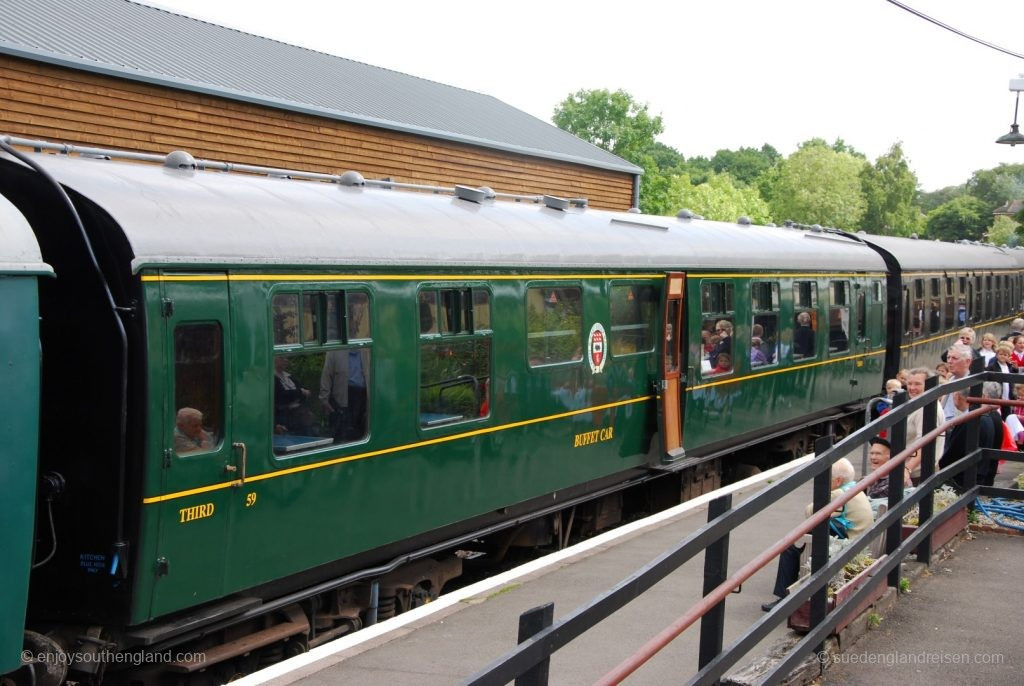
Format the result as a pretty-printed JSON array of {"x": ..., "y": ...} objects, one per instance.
[{"x": 453, "y": 638}]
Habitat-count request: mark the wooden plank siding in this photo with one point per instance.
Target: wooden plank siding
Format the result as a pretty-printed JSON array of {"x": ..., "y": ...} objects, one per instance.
[{"x": 78, "y": 107}]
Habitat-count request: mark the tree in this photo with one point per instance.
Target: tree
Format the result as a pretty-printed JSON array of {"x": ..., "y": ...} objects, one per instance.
[
  {"x": 817, "y": 185},
  {"x": 622, "y": 126},
  {"x": 995, "y": 186},
  {"x": 1004, "y": 231},
  {"x": 965, "y": 217},
  {"x": 613, "y": 121},
  {"x": 746, "y": 164},
  {"x": 719, "y": 198},
  {"x": 929, "y": 201},
  {"x": 889, "y": 191}
]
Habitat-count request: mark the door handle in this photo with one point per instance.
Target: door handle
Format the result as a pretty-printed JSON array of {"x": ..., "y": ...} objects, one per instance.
[{"x": 234, "y": 468}]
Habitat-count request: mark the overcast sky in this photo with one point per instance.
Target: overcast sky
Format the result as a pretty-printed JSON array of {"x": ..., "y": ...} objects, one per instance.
[{"x": 722, "y": 73}]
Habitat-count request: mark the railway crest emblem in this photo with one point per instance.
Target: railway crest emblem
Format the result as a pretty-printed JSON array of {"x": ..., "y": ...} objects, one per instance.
[{"x": 597, "y": 346}]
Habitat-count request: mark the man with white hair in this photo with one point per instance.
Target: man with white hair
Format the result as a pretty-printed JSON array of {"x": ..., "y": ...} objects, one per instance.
[
  {"x": 189, "y": 434},
  {"x": 849, "y": 521},
  {"x": 959, "y": 358}
]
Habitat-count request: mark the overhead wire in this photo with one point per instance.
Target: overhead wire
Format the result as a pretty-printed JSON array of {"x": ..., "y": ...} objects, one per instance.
[{"x": 955, "y": 30}]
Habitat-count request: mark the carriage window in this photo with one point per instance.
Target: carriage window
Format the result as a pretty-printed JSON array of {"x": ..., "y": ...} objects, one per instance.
[
  {"x": 977, "y": 312},
  {"x": 988, "y": 297},
  {"x": 805, "y": 320},
  {"x": 950, "y": 304},
  {"x": 998, "y": 296},
  {"x": 286, "y": 319},
  {"x": 554, "y": 319},
  {"x": 198, "y": 387},
  {"x": 321, "y": 394},
  {"x": 455, "y": 369},
  {"x": 839, "y": 317},
  {"x": 764, "y": 328},
  {"x": 862, "y": 315},
  {"x": 633, "y": 318},
  {"x": 716, "y": 296},
  {"x": 918, "y": 309}
]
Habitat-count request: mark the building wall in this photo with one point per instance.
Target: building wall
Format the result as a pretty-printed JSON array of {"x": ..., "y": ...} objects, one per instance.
[{"x": 69, "y": 106}]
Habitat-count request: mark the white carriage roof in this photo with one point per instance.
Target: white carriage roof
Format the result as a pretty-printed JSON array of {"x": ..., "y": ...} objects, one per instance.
[
  {"x": 185, "y": 217},
  {"x": 19, "y": 252},
  {"x": 134, "y": 41}
]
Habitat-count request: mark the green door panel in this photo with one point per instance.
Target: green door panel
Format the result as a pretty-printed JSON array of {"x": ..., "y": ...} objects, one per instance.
[{"x": 199, "y": 464}]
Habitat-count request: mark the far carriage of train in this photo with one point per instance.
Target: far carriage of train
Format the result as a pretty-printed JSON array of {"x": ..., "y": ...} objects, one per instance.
[{"x": 271, "y": 409}]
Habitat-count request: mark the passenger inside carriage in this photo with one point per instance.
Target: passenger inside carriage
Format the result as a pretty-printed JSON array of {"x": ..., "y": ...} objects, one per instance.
[{"x": 723, "y": 364}]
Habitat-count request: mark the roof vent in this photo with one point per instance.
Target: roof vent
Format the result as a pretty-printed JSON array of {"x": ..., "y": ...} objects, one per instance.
[
  {"x": 488, "y": 192},
  {"x": 179, "y": 159},
  {"x": 556, "y": 203},
  {"x": 352, "y": 178},
  {"x": 685, "y": 214},
  {"x": 579, "y": 202},
  {"x": 815, "y": 228},
  {"x": 634, "y": 210},
  {"x": 770, "y": 224},
  {"x": 913, "y": 236},
  {"x": 788, "y": 223},
  {"x": 471, "y": 194},
  {"x": 743, "y": 221}
]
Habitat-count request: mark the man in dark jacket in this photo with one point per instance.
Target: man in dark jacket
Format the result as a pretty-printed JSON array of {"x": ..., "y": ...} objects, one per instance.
[{"x": 990, "y": 435}]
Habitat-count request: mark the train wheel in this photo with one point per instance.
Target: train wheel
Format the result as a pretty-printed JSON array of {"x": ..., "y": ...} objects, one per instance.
[{"x": 44, "y": 662}]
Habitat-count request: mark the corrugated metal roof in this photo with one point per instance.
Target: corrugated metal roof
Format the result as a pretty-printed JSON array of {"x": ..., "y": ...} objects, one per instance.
[
  {"x": 131, "y": 40},
  {"x": 178, "y": 217}
]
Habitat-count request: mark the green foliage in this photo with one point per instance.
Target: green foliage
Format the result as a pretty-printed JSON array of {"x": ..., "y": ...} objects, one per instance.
[
  {"x": 746, "y": 164},
  {"x": 719, "y": 198},
  {"x": 1005, "y": 231},
  {"x": 996, "y": 186},
  {"x": 889, "y": 191},
  {"x": 667, "y": 159},
  {"x": 874, "y": 620},
  {"x": 929, "y": 201},
  {"x": 613, "y": 121},
  {"x": 839, "y": 146},
  {"x": 904, "y": 585},
  {"x": 817, "y": 185},
  {"x": 699, "y": 169},
  {"x": 964, "y": 217}
]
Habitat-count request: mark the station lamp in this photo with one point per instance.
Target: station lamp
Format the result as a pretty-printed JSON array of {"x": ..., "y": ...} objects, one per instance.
[{"x": 1015, "y": 136}]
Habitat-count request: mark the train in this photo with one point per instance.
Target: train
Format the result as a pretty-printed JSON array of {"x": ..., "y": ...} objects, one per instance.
[{"x": 255, "y": 409}]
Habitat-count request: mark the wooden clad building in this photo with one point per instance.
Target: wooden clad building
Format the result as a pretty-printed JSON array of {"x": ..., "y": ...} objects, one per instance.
[{"x": 64, "y": 76}]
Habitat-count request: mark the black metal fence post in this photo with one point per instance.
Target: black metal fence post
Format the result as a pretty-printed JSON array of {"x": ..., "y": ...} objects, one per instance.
[
  {"x": 716, "y": 570},
  {"x": 532, "y": 622},
  {"x": 973, "y": 437},
  {"x": 819, "y": 536},
  {"x": 925, "y": 508},
  {"x": 894, "y": 534}
]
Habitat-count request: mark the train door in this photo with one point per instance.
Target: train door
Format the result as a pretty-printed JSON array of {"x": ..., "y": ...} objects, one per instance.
[
  {"x": 670, "y": 391},
  {"x": 199, "y": 460}
]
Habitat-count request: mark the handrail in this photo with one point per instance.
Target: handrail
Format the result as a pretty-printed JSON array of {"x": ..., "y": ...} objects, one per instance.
[
  {"x": 549, "y": 640},
  {"x": 701, "y": 607}
]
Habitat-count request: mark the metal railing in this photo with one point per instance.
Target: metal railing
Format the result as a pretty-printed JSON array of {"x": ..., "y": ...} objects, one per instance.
[{"x": 540, "y": 637}]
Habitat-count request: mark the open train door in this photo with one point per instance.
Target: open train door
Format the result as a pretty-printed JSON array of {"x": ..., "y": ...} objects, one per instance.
[{"x": 670, "y": 386}]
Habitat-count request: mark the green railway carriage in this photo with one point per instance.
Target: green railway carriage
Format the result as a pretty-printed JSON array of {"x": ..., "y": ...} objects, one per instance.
[
  {"x": 296, "y": 383},
  {"x": 938, "y": 288},
  {"x": 20, "y": 266}
]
